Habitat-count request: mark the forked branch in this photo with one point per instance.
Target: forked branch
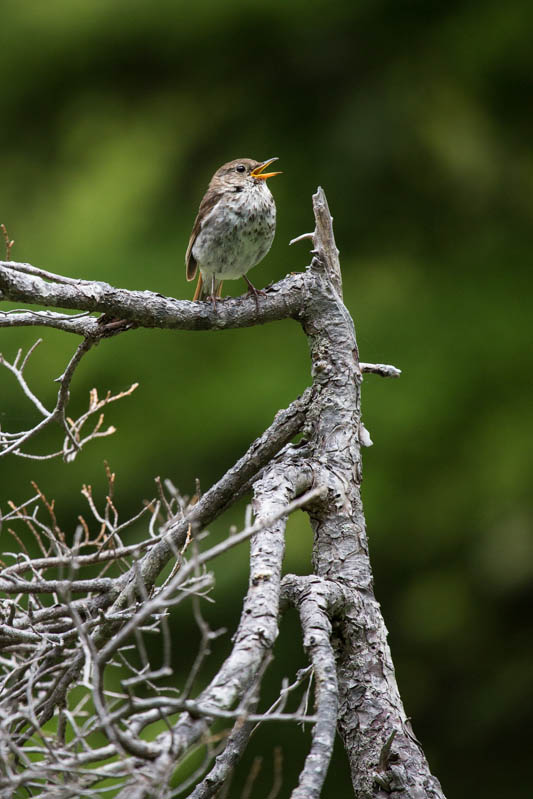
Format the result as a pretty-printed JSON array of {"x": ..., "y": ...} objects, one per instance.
[{"x": 79, "y": 617}]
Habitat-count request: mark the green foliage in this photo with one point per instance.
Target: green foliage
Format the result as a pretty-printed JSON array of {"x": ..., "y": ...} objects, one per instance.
[{"x": 414, "y": 117}]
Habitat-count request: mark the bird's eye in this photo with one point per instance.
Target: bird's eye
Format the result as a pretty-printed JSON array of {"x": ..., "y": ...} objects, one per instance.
[{"x": 240, "y": 168}]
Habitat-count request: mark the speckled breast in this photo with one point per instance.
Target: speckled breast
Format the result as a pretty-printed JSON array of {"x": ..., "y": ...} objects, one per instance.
[{"x": 237, "y": 233}]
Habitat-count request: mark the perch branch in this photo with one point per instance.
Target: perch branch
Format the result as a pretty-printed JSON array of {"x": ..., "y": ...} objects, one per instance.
[{"x": 24, "y": 283}]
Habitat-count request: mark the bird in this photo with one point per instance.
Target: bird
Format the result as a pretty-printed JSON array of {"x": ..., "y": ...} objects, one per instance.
[{"x": 234, "y": 228}]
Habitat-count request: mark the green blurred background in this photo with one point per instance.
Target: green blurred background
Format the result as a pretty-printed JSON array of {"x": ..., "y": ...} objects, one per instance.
[{"x": 416, "y": 119}]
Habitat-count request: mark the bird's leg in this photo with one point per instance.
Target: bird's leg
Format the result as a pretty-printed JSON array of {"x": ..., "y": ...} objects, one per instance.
[
  {"x": 252, "y": 290},
  {"x": 213, "y": 293}
]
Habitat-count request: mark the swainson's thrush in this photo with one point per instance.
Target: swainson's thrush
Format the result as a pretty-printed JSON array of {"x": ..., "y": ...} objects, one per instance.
[{"x": 234, "y": 228}]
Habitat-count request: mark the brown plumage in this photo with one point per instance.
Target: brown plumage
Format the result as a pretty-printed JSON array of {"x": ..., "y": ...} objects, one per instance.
[{"x": 234, "y": 227}]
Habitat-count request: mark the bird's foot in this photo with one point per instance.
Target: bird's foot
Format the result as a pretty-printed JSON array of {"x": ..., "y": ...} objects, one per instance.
[
  {"x": 213, "y": 299},
  {"x": 256, "y": 292}
]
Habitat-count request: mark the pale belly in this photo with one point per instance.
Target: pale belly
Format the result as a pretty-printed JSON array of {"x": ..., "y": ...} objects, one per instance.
[{"x": 231, "y": 243}]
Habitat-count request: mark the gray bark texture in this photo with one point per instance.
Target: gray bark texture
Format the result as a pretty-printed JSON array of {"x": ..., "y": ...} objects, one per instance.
[{"x": 344, "y": 634}]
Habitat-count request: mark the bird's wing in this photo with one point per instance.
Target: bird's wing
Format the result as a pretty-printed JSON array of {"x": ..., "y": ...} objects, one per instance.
[{"x": 211, "y": 198}]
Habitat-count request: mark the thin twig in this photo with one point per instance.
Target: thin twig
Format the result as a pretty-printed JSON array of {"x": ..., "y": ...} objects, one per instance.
[{"x": 8, "y": 242}]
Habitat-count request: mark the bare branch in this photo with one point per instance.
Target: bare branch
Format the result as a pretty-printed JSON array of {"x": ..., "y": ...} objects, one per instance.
[
  {"x": 33, "y": 270},
  {"x": 18, "y": 372},
  {"x": 8, "y": 243},
  {"x": 232, "y": 485},
  {"x": 90, "y": 603},
  {"x": 340, "y": 551},
  {"x": 315, "y": 601},
  {"x": 150, "y": 606},
  {"x": 382, "y": 369},
  {"x": 258, "y": 624},
  {"x": 26, "y": 283},
  {"x": 80, "y": 323},
  {"x": 196, "y": 709},
  {"x": 302, "y": 237},
  {"x": 12, "y": 443}
]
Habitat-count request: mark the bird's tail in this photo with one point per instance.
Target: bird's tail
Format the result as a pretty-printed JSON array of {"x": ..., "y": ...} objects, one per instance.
[{"x": 203, "y": 290}]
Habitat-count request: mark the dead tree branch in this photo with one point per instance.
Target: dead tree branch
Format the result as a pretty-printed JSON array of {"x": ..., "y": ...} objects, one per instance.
[{"x": 79, "y": 613}]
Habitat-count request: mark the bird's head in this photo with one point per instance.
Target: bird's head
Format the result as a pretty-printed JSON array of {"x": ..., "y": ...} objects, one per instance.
[{"x": 242, "y": 172}]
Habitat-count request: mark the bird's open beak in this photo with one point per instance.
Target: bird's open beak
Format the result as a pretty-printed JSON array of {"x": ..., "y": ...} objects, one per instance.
[{"x": 258, "y": 171}]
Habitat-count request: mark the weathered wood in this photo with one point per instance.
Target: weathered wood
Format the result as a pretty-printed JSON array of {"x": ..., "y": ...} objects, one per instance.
[{"x": 343, "y": 628}]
